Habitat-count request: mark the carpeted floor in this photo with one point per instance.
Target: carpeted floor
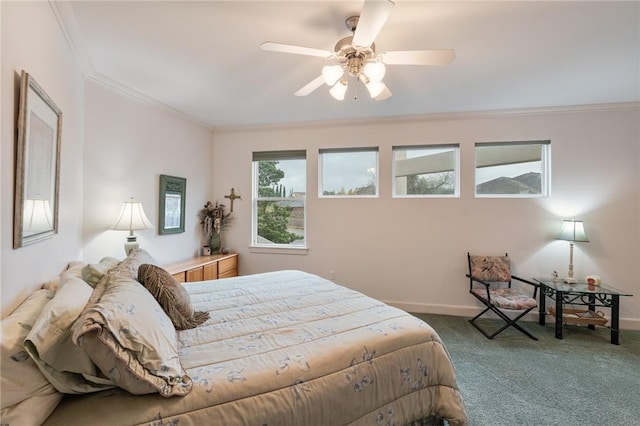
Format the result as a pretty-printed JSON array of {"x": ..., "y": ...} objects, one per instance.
[{"x": 581, "y": 380}]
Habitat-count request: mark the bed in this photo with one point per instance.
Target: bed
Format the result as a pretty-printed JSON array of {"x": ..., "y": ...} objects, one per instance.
[{"x": 278, "y": 348}]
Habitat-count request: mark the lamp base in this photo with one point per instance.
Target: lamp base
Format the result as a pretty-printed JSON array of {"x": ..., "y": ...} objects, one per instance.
[
  {"x": 130, "y": 245},
  {"x": 570, "y": 280}
]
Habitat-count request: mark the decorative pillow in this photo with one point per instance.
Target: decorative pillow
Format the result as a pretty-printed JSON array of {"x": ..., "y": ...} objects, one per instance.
[
  {"x": 491, "y": 268},
  {"x": 26, "y": 396},
  {"x": 172, "y": 296},
  {"x": 52, "y": 284},
  {"x": 74, "y": 267},
  {"x": 65, "y": 365},
  {"x": 130, "y": 338},
  {"x": 129, "y": 266},
  {"x": 93, "y": 272}
]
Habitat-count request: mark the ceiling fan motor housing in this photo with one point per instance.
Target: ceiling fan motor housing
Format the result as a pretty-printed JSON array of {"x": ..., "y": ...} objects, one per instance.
[{"x": 346, "y": 53}]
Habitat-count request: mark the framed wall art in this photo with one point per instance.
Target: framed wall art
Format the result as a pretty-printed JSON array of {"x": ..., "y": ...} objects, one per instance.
[
  {"x": 37, "y": 168},
  {"x": 172, "y": 203}
]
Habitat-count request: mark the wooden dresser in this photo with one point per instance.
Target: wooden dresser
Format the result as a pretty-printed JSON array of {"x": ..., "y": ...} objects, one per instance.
[{"x": 201, "y": 268}]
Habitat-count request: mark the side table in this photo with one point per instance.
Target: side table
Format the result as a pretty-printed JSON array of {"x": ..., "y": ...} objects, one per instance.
[{"x": 583, "y": 294}]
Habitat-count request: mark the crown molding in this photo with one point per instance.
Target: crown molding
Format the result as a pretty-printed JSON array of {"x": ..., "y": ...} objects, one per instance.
[
  {"x": 428, "y": 117},
  {"x": 71, "y": 30},
  {"x": 142, "y": 98},
  {"x": 69, "y": 27}
]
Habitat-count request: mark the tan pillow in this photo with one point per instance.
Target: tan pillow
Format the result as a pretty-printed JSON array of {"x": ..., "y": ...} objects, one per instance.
[
  {"x": 129, "y": 266},
  {"x": 27, "y": 396},
  {"x": 126, "y": 268},
  {"x": 93, "y": 272},
  {"x": 65, "y": 365},
  {"x": 172, "y": 296},
  {"x": 130, "y": 338}
]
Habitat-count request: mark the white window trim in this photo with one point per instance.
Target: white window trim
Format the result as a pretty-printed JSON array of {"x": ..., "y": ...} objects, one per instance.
[
  {"x": 545, "y": 159},
  {"x": 456, "y": 171},
  {"x": 254, "y": 246},
  {"x": 347, "y": 150}
]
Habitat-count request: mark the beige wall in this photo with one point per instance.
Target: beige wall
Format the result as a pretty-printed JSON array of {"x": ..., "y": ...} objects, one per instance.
[
  {"x": 113, "y": 147},
  {"x": 412, "y": 252},
  {"x": 128, "y": 145},
  {"x": 31, "y": 40}
]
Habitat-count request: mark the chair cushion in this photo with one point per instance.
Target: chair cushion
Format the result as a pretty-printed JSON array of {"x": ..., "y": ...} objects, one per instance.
[
  {"x": 507, "y": 298},
  {"x": 490, "y": 268}
]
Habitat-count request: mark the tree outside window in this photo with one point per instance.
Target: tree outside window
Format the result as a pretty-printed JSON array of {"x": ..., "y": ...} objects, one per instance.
[{"x": 280, "y": 198}]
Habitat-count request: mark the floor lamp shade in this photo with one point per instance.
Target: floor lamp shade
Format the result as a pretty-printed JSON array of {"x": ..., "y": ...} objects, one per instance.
[{"x": 131, "y": 218}]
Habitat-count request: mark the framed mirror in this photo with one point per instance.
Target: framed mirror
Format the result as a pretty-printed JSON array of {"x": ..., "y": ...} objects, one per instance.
[
  {"x": 37, "y": 170},
  {"x": 172, "y": 202}
]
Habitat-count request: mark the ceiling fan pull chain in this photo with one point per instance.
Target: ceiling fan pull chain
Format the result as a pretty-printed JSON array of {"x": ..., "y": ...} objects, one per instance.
[{"x": 355, "y": 88}]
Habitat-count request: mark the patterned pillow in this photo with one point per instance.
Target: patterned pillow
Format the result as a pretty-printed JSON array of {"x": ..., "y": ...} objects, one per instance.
[
  {"x": 65, "y": 365},
  {"x": 129, "y": 266},
  {"x": 93, "y": 272},
  {"x": 27, "y": 396},
  {"x": 130, "y": 338},
  {"x": 491, "y": 268},
  {"x": 172, "y": 296}
]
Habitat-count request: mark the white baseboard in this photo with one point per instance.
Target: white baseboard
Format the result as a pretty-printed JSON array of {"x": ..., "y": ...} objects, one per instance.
[{"x": 471, "y": 311}]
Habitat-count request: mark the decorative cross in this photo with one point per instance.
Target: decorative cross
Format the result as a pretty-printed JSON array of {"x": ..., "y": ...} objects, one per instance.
[{"x": 232, "y": 196}]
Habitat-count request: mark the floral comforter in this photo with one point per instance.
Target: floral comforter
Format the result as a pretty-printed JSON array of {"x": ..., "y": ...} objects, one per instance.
[{"x": 291, "y": 348}]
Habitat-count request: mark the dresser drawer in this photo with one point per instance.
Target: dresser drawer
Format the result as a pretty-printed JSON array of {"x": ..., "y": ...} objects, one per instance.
[
  {"x": 195, "y": 274},
  {"x": 228, "y": 267},
  {"x": 180, "y": 276},
  {"x": 210, "y": 271},
  {"x": 201, "y": 268}
]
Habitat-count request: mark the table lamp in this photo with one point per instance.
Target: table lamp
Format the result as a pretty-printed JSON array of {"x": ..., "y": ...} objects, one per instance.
[
  {"x": 572, "y": 231},
  {"x": 131, "y": 218}
]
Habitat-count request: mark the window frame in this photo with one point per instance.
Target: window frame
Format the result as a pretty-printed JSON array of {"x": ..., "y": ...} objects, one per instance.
[
  {"x": 283, "y": 155},
  {"x": 322, "y": 151},
  {"x": 456, "y": 169},
  {"x": 545, "y": 168}
]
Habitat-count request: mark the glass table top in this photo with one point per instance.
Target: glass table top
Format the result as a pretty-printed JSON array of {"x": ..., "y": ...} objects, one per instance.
[{"x": 581, "y": 287}]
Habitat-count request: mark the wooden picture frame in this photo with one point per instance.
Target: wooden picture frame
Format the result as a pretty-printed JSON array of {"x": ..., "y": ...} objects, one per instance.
[
  {"x": 37, "y": 167},
  {"x": 171, "y": 204}
]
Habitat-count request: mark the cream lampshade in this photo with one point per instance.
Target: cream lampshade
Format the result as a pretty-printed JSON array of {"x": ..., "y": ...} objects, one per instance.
[
  {"x": 131, "y": 218},
  {"x": 572, "y": 230}
]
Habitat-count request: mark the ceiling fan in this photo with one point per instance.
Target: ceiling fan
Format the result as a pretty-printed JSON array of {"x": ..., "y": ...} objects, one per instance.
[{"x": 356, "y": 55}]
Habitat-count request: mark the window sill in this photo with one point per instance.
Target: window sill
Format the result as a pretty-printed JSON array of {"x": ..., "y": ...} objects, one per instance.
[{"x": 302, "y": 250}]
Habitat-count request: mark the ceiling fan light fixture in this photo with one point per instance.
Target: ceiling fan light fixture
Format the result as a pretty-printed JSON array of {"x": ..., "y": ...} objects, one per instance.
[
  {"x": 331, "y": 74},
  {"x": 339, "y": 90},
  {"x": 374, "y": 70},
  {"x": 375, "y": 88}
]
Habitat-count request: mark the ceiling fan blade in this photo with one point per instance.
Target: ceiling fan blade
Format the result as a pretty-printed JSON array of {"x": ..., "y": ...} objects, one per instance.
[
  {"x": 373, "y": 15},
  {"x": 311, "y": 86},
  {"x": 386, "y": 93},
  {"x": 298, "y": 50},
  {"x": 419, "y": 57}
]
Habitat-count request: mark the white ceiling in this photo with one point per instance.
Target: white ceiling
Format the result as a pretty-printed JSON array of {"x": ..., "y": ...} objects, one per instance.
[{"x": 203, "y": 58}]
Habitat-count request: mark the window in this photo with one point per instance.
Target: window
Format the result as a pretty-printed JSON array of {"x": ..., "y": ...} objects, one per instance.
[
  {"x": 513, "y": 169},
  {"x": 426, "y": 171},
  {"x": 279, "y": 199},
  {"x": 348, "y": 172}
]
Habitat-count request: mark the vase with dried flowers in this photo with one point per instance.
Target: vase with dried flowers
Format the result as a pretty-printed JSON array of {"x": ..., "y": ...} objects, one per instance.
[{"x": 213, "y": 220}]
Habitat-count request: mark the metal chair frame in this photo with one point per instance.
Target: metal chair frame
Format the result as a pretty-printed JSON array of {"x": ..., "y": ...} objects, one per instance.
[{"x": 510, "y": 322}]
